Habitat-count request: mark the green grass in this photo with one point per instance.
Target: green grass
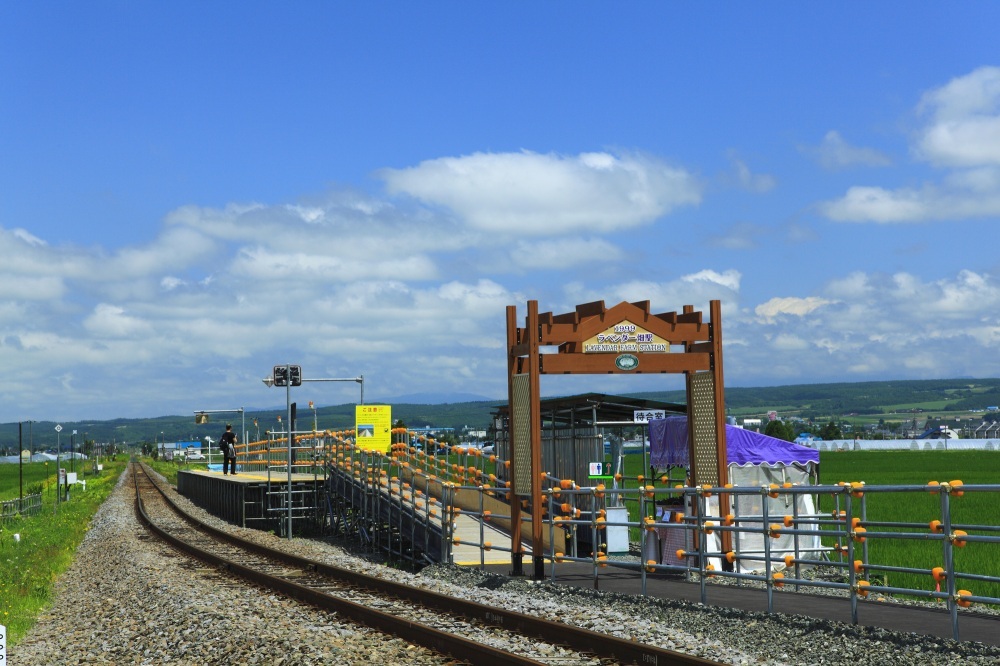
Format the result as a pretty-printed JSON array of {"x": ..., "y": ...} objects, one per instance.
[
  {"x": 48, "y": 541},
  {"x": 33, "y": 473},
  {"x": 919, "y": 467},
  {"x": 169, "y": 468}
]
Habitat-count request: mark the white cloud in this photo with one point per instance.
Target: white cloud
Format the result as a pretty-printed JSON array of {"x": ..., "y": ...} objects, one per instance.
[
  {"x": 31, "y": 288},
  {"x": 786, "y": 343},
  {"x": 869, "y": 325},
  {"x": 962, "y": 133},
  {"x": 695, "y": 289},
  {"x": 747, "y": 180},
  {"x": 27, "y": 237},
  {"x": 729, "y": 279},
  {"x": 111, "y": 321},
  {"x": 563, "y": 253},
  {"x": 964, "y": 127},
  {"x": 798, "y": 307},
  {"x": 876, "y": 204},
  {"x": 169, "y": 283},
  {"x": 530, "y": 193},
  {"x": 963, "y": 195},
  {"x": 834, "y": 152},
  {"x": 262, "y": 263}
]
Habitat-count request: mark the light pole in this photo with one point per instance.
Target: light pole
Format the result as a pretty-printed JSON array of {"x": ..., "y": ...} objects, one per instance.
[
  {"x": 291, "y": 375},
  {"x": 269, "y": 382},
  {"x": 58, "y": 468},
  {"x": 201, "y": 416},
  {"x": 20, "y": 459}
]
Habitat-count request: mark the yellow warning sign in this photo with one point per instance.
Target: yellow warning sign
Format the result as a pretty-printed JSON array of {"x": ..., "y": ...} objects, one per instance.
[{"x": 373, "y": 427}]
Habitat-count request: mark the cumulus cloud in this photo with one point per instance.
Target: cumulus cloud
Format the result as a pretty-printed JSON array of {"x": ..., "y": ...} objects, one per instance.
[
  {"x": 31, "y": 288},
  {"x": 961, "y": 196},
  {"x": 834, "y": 152},
  {"x": 111, "y": 321},
  {"x": 961, "y": 133},
  {"x": 798, "y": 307},
  {"x": 729, "y": 279},
  {"x": 870, "y": 324},
  {"x": 535, "y": 194},
  {"x": 695, "y": 289},
  {"x": 964, "y": 121}
]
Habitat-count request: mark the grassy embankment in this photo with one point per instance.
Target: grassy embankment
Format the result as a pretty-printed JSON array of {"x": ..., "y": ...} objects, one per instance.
[{"x": 29, "y": 567}]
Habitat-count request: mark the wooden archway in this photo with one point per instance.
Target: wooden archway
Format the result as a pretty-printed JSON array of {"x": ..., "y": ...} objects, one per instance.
[{"x": 624, "y": 339}]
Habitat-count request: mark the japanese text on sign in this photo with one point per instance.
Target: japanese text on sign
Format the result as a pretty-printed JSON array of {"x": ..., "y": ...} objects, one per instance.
[
  {"x": 647, "y": 415},
  {"x": 373, "y": 427}
]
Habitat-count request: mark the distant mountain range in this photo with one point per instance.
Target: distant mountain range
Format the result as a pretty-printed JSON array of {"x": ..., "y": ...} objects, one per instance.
[
  {"x": 457, "y": 410},
  {"x": 436, "y": 398}
]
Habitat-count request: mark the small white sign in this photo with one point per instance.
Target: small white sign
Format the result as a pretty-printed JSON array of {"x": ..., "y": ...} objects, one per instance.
[
  {"x": 70, "y": 478},
  {"x": 58, "y": 428},
  {"x": 3, "y": 644},
  {"x": 647, "y": 415}
]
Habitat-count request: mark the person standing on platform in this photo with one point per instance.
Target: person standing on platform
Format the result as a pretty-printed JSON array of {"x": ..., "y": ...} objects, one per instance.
[{"x": 227, "y": 444}]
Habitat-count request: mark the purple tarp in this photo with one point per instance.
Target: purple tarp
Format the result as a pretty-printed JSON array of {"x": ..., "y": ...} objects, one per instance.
[{"x": 668, "y": 445}]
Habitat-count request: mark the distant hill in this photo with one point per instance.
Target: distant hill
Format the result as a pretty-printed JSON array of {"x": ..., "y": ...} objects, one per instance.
[
  {"x": 434, "y": 398},
  {"x": 456, "y": 410},
  {"x": 861, "y": 398}
]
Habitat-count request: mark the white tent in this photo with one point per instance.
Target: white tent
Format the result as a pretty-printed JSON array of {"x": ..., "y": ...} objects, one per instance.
[{"x": 755, "y": 461}]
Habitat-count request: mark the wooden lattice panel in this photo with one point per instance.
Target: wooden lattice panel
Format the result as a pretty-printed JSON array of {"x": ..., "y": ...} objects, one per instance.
[
  {"x": 705, "y": 458},
  {"x": 520, "y": 464}
]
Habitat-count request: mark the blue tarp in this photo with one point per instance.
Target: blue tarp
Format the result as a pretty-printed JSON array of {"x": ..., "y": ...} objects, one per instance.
[{"x": 668, "y": 445}]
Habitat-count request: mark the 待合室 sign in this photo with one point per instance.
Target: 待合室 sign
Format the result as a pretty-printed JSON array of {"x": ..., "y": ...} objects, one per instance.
[{"x": 647, "y": 415}]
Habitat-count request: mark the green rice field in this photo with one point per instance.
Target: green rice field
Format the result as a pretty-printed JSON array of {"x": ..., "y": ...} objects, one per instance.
[{"x": 920, "y": 467}]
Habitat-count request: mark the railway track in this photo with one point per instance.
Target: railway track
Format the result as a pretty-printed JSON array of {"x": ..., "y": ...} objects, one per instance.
[{"x": 464, "y": 630}]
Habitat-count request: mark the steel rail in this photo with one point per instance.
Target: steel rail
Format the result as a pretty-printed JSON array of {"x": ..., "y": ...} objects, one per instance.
[
  {"x": 576, "y": 638},
  {"x": 444, "y": 643}
]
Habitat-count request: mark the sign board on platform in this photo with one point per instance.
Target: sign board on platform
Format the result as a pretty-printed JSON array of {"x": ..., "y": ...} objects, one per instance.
[
  {"x": 373, "y": 427},
  {"x": 599, "y": 470},
  {"x": 647, "y": 415}
]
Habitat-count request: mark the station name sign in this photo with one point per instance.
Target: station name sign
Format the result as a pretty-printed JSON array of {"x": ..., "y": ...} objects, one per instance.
[{"x": 625, "y": 337}]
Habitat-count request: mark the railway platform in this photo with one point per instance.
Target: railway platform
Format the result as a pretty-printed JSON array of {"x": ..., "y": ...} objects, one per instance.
[
  {"x": 244, "y": 500},
  {"x": 250, "y": 499},
  {"x": 982, "y": 628}
]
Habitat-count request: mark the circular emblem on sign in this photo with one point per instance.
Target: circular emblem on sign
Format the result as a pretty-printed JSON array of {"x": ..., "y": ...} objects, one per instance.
[{"x": 627, "y": 362}]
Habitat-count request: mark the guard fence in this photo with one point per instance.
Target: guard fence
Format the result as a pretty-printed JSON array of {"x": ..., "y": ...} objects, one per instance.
[
  {"x": 929, "y": 541},
  {"x": 29, "y": 505}
]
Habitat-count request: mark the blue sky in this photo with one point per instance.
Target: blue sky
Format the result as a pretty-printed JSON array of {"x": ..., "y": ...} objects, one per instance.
[{"x": 191, "y": 193}]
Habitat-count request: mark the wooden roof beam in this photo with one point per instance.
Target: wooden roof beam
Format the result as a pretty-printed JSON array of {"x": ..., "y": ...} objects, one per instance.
[{"x": 593, "y": 309}]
